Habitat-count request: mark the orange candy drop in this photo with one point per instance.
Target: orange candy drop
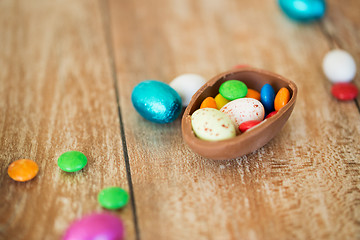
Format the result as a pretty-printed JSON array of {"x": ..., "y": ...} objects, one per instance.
[
  {"x": 209, "y": 102},
  {"x": 253, "y": 94},
  {"x": 23, "y": 170},
  {"x": 281, "y": 98}
]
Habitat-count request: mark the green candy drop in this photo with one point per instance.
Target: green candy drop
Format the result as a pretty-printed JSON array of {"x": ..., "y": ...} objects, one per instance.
[
  {"x": 72, "y": 161},
  {"x": 233, "y": 89},
  {"x": 113, "y": 198}
]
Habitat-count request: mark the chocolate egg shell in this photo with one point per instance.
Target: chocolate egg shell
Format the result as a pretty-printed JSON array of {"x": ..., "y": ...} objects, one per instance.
[{"x": 252, "y": 139}]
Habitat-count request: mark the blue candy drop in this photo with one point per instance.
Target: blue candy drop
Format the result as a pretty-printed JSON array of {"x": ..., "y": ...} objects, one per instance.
[
  {"x": 156, "y": 101},
  {"x": 267, "y": 96},
  {"x": 303, "y": 10}
]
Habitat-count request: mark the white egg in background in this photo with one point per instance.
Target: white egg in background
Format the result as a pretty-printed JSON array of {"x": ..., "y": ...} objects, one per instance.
[
  {"x": 186, "y": 85},
  {"x": 339, "y": 66}
]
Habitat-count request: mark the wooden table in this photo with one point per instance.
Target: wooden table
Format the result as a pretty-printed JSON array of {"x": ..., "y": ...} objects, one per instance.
[{"x": 67, "y": 70}]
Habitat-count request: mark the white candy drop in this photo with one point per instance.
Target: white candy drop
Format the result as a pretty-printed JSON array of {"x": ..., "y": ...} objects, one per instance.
[
  {"x": 186, "y": 85},
  {"x": 339, "y": 66}
]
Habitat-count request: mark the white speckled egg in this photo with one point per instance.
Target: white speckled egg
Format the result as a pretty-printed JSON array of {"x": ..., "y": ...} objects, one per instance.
[
  {"x": 212, "y": 125},
  {"x": 243, "y": 110},
  {"x": 186, "y": 85},
  {"x": 339, "y": 66}
]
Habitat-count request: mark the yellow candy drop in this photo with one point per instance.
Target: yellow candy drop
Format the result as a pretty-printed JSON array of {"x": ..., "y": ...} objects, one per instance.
[{"x": 220, "y": 101}]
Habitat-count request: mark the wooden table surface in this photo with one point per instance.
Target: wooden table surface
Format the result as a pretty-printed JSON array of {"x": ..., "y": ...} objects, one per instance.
[{"x": 67, "y": 70}]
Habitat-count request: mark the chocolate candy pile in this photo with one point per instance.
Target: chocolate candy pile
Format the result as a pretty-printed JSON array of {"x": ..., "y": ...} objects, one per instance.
[{"x": 236, "y": 108}]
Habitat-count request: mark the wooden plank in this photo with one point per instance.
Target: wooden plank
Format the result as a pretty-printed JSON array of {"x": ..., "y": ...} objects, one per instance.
[
  {"x": 302, "y": 185},
  {"x": 342, "y": 22},
  {"x": 56, "y": 95}
]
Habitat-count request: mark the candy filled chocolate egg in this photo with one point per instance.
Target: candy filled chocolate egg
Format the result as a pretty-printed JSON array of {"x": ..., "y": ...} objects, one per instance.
[{"x": 251, "y": 139}]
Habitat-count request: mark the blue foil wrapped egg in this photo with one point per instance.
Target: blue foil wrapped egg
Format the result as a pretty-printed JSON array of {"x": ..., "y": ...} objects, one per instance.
[
  {"x": 156, "y": 101},
  {"x": 303, "y": 10}
]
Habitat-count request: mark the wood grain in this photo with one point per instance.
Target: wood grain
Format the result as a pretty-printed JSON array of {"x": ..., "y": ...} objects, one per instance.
[
  {"x": 66, "y": 65},
  {"x": 302, "y": 185},
  {"x": 341, "y": 24},
  {"x": 56, "y": 95}
]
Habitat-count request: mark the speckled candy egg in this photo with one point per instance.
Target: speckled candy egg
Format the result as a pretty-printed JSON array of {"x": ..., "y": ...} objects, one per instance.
[
  {"x": 156, "y": 101},
  {"x": 186, "y": 86},
  {"x": 103, "y": 226},
  {"x": 243, "y": 110},
  {"x": 303, "y": 10},
  {"x": 212, "y": 125}
]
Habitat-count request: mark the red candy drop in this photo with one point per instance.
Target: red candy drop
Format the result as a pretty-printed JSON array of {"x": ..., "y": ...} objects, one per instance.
[
  {"x": 247, "y": 125},
  {"x": 344, "y": 91},
  {"x": 271, "y": 114}
]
